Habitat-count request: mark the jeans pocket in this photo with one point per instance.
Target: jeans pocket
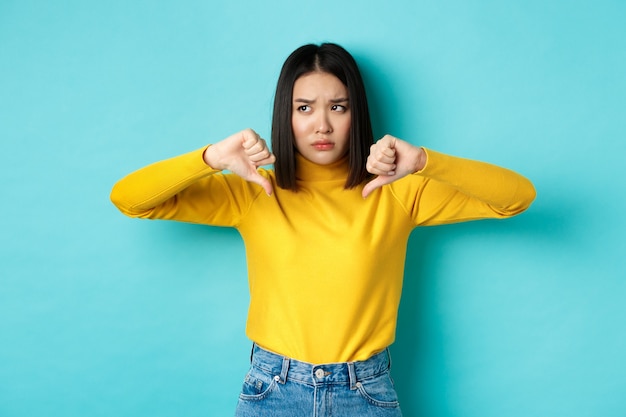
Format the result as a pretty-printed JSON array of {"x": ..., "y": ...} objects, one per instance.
[
  {"x": 257, "y": 385},
  {"x": 379, "y": 391}
]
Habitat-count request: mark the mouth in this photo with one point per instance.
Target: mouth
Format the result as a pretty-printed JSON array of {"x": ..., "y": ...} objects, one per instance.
[{"x": 323, "y": 145}]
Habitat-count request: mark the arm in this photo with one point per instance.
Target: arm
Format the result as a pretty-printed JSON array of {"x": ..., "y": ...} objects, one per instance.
[
  {"x": 141, "y": 193},
  {"x": 180, "y": 188},
  {"x": 450, "y": 189},
  {"x": 457, "y": 189}
]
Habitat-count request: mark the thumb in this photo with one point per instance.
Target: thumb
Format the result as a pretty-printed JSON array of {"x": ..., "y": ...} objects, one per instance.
[
  {"x": 377, "y": 182},
  {"x": 257, "y": 178}
]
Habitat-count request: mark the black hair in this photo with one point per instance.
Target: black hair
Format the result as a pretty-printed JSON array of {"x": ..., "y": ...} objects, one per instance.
[{"x": 333, "y": 59}]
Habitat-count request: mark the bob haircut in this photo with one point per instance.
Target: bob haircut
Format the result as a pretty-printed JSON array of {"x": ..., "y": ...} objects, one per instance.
[{"x": 335, "y": 60}]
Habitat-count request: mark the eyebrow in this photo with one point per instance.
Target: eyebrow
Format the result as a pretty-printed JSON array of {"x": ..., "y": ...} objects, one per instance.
[{"x": 334, "y": 100}]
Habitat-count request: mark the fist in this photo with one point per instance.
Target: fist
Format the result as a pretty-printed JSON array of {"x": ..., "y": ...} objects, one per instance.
[
  {"x": 391, "y": 159},
  {"x": 242, "y": 153}
]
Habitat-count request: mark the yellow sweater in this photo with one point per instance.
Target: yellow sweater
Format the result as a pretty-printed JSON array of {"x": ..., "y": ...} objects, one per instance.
[{"x": 325, "y": 266}]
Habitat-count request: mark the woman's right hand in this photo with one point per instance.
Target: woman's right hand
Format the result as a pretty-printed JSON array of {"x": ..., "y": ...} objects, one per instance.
[{"x": 242, "y": 153}]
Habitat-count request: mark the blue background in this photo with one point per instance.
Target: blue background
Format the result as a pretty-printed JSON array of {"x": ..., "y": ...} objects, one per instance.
[{"x": 101, "y": 315}]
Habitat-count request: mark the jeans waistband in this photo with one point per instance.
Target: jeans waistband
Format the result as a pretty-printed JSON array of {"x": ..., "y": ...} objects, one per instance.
[{"x": 284, "y": 368}]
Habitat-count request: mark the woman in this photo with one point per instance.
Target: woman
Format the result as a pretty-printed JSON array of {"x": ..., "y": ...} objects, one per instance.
[{"x": 325, "y": 232}]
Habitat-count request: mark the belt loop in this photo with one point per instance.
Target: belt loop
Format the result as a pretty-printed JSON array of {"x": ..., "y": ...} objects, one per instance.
[
  {"x": 252, "y": 351},
  {"x": 389, "y": 358},
  {"x": 352, "y": 374},
  {"x": 284, "y": 370}
]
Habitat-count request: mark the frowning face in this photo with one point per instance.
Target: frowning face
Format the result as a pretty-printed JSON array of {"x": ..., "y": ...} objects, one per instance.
[{"x": 321, "y": 117}]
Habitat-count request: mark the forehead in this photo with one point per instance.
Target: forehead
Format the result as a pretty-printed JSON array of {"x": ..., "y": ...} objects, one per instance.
[{"x": 319, "y": 84}]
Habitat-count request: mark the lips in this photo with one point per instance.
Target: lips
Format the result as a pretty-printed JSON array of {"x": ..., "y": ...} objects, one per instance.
[{"x": 323, "y": 145}]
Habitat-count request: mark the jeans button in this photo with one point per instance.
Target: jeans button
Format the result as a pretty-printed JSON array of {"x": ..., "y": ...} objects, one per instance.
[{"x": 319, "y": 373}]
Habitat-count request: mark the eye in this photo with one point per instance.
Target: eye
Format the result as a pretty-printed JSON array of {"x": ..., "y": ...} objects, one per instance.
[
  {"x": 304, "y": 108},
  {"x": 338, "y": 107}
]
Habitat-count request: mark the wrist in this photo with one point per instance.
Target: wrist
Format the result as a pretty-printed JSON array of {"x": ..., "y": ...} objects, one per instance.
[
  {"x": 420, "y": 159},
  {"x": 210, "y": 158}
]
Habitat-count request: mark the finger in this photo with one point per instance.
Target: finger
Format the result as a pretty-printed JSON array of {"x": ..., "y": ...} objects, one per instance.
[
  {"x": 388, "y": 142},
  {"x": 260, "y": 155},
  {"x": 262, "y": 181},
  {"x": 267, "y": 160},
  {"x": 254, "y": 146},
  {"x": 376, "y": 183},
  {"x": 382, "y": 149},
  {"x": 386, "y": 153},
  {"x": 381, "y": 158},
  {"x": 249, "y": 139},
  {"x": 376, "y": 167}
]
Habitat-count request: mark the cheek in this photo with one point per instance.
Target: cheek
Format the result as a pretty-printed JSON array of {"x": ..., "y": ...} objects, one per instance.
[
  {"x": 345, "y": 128},
  {"x": 298, "y": 126}
]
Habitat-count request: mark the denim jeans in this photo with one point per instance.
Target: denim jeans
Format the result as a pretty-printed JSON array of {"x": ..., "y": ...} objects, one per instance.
[{"x": 276, "y": 386}]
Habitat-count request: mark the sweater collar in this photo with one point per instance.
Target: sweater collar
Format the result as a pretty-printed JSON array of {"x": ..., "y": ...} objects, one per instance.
[{"x": 310, "y": 171}]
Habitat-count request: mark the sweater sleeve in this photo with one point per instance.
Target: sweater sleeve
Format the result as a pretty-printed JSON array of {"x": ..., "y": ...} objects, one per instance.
[
  {"x": 184, "y": 188},
  {"x": 451, "y": 189}
]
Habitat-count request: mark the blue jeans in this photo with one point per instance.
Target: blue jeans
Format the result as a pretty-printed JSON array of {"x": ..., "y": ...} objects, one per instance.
[{"x": 276, "y": 386}]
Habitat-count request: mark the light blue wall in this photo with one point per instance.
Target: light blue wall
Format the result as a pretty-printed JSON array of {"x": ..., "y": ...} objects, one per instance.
[{"x": 101, "y": 315}]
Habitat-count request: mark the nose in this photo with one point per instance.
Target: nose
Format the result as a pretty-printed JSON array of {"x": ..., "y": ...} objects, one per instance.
[{"x": 323, "y": 123}]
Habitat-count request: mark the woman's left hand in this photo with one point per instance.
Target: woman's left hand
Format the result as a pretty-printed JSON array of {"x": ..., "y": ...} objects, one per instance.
[{"x": 391, "y": 159}]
